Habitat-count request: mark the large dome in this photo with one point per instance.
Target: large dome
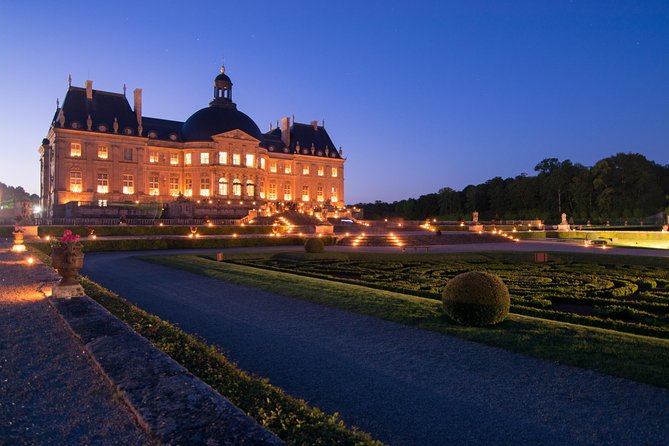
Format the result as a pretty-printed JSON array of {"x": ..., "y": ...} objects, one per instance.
[{"x": 214, "y": 120}]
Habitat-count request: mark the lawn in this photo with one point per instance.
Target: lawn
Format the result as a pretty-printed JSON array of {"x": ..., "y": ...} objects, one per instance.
[{"x": 640, "y": 358}]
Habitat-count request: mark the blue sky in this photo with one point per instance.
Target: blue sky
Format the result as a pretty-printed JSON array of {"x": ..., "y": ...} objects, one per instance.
[{"x": 420, "y": 95}]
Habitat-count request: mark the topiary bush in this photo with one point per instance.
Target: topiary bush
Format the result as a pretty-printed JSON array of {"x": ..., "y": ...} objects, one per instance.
[
  {"x": 314, "y": 245},
  {"x": 476, "y": 298}
]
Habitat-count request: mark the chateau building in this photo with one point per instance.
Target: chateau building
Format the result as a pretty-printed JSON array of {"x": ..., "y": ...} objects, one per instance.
[{"x": 101, "y": 154}]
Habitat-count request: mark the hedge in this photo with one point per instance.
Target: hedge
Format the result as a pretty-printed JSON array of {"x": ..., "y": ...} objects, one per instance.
[{"x": 119, "y": 230}]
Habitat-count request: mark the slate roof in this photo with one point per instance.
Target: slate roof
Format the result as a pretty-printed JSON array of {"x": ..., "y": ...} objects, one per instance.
[{"x": 302, "y": 137}]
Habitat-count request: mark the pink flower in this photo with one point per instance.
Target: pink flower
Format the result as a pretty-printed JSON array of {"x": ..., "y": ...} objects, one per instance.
[{"x": 69, "y": 237}]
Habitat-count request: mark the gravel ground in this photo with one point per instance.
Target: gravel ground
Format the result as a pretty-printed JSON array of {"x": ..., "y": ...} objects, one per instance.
[
  {"x": 401, "y": 384},
  {"x": 50, "y": 394}
]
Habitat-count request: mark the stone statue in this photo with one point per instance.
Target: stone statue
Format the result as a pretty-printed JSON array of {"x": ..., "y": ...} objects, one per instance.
[
  {"x": 564, "y": 219},
  {"x": 475, "y": 217}
]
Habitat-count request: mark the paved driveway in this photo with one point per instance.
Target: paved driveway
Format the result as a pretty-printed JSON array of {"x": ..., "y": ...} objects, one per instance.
[{"x": 401, "y": 384}]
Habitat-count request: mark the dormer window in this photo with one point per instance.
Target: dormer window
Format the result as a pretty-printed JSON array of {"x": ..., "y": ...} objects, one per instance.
[
  {"x": 152, "y": 135},
  {"x": 127, "y": 131},
  {"x": 173, "y": 137},
  {"x": 102, "y": 128},
  {"x": 76, "y": 125}
]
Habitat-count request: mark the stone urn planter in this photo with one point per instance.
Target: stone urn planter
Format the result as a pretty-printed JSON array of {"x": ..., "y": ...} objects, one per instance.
[
  {"x": 67, "y": 257},
  {"x": 18, "y": 240}
]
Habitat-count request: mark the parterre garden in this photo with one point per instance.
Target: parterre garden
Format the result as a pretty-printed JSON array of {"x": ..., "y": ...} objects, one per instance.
[{"x": 628, "y": 294}]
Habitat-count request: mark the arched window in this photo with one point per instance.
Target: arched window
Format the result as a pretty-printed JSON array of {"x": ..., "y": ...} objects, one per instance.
[
  {"x": 250, "y": 189},
  {"x": 75, "y": 180},
  {"x": 237, "y": 188},
  {"x": 222, "y": 186}
]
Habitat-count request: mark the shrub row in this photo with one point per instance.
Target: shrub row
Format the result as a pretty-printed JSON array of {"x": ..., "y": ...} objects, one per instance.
[
  {"x": 181, "y": 243},
  {"x": 291, "y": 419},
  {"x": 118, "y": 230}
]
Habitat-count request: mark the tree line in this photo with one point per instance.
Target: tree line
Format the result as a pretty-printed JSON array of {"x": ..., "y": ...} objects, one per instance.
[
  {"x": 626, "y": 185},
  {"x": 11, "y": 196}
]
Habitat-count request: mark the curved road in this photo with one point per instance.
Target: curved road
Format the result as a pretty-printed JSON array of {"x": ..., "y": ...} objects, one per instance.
[{"x": 403, "y": 385}]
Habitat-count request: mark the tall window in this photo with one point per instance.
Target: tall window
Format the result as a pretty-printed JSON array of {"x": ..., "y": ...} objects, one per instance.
[
  {"x": 262, "y": 163},
  {"x": 75, "y": 180},
  {"x": 250, "y": 189},
  {"x": 237, "y": 188},
  {"x": 319, "y": 194},
  {"x": 272, "y": 191},
  {"x": 272, "y": 166},
  {"x": 174, "y": 186},
  {"x": 261, "y": 193},
  {"x": 127, "y": 154},
  {"x": 333, "y": 194},
  {"x": 103, "y": 152},
  {"x": 205, "y": 185},
  {"x": 236, "y": 159},
  {"x": 204, "y": 158},
  {"x": 222, "y": 157},
  {"x": 153, "y": 185},
  {"x": 103, "y": 183},
  {"x": 188, "y": 187},
  {"x": 188, "y": 159},
  {"x": 288, "y": 168},
  {"x": 75, "y": 149},
  {"x": 222, "y": 186},
  {"x": 305, "y": 193},
  {"x": 174, "y": 159},
  {"x": 321, "y": 171},
  {"x": 334, "y": 172},
  {"x": 153, "y": 156},
  {"x": 305, "y": 169},
  {"x": 128, "y": 184},
  {"x": 286, "y": 192},
  {"x": 250, "y": 160}
]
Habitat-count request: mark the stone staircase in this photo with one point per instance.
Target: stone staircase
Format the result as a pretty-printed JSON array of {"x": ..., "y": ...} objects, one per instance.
[{"x": 401, "y": 240}]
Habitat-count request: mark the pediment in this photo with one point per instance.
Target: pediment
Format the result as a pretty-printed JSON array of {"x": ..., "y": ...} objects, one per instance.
[{"x": 235, "y": 134}]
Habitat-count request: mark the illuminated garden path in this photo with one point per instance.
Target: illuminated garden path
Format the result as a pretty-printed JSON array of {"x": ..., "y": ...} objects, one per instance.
[{"x": 401, "y": 384}]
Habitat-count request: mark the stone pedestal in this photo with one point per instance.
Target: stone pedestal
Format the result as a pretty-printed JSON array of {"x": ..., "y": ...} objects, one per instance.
[
  {"x": 563, "y": 227},
  {"x": 68, "y": 291},
  {"x": 476, "y": 228}
]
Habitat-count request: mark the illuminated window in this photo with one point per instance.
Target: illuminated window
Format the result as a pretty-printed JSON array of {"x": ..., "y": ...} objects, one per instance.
[
  {"x": 319, "y": 194},
  {"x": 103, "y": 183},
  {"x": 174, "y": 186},
  {"x": 334, "y": 172},
  {"x": 286, "y": 192},
  {"x": 188, "y": 186},
  {"x": 128, "y": 184},
  {"x": 222, "y": 157},
  {"x": 250, "y": 189},
  {"x": 262, "y": 163},
  {"x": 321, "y": 171},
  {"x": 204, "y": 158},
  {"x": 222, "y": 186},
  {"x": 305, "y": 193},
  {"x": 333, "y": 194},
  {"x": 153, "y": 156},
  {"x": 236, "y": 159},
  {"x": 250, "y": 160},
  {"x": 272, "y": 191},
  {"x": 174, "y": 159},
  {"x": 188, "y": 158},
  {"x": 102, "y": 203},
  {"x": 153, "y": 185},
  {"x": 272, "y": 166},
  {"x": 261, "y": 193},
  {"x": 205, "y": 184},
  {"x": 237, "y": 188},
  {"x": 75, "y": 149},
  {"x": 103, "y": 152},
  {"x": 127, "y": 154},
  {"x": 75, "y": 181},
  {"x": 305, "y": 169},
  {"x": 288, "y": 168}
]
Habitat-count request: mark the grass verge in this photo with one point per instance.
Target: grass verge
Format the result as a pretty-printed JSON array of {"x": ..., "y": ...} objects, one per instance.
[{"x": 630, "y": 356}]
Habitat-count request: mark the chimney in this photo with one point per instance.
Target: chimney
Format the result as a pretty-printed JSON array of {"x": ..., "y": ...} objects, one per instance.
[
  {"x": 138, "y": 104},
  {"x": 89, "y": 90},
  {"x": 285, "y": 131},
  {"x": 314, "y": 124}
]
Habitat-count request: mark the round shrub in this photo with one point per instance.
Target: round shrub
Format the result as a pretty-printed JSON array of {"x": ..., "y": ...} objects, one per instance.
[
  {"x": 476, "y": 298},
  {"x": 314, "y": 245}
]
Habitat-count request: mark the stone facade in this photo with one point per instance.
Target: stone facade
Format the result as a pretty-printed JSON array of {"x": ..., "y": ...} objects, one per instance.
[{"x": 100, "y": 152}]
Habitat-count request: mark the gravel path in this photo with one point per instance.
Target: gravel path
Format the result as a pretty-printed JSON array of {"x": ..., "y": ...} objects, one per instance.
[
  {"x": 403, "y": 385},
  {"x": 49, "y": 392}
]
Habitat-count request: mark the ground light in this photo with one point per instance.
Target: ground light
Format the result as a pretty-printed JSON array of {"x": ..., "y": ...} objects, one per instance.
[
  {"x": 30, "y": 260},
  {"x": 18, "y": 248}
]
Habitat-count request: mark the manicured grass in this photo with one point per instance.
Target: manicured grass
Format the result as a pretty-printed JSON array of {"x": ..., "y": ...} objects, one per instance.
[
  {"x": 622, "y": 293},
  {"x": 639, "y": 358}
]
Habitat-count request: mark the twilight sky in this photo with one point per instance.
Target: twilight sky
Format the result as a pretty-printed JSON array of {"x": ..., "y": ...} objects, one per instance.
[{"x": 421, "y": 95}]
